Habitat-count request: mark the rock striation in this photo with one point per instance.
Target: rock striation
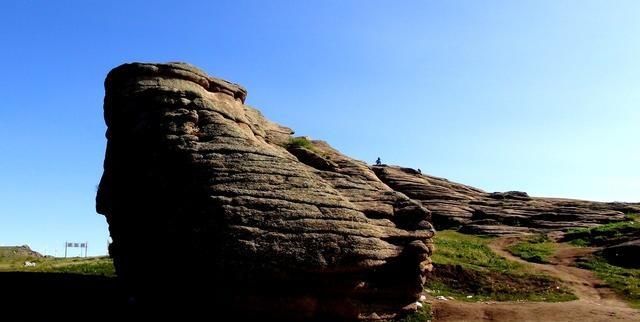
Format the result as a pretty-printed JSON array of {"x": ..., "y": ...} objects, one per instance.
[
  {"x": 212, "y": 209},
  {"x": 454, "y": 205}
]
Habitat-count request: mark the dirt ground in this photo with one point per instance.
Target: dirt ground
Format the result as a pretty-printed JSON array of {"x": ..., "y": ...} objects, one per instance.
[{"x": 596, "y": 303}]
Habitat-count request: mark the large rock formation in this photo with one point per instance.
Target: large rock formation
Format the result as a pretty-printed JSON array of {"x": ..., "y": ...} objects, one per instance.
[
  {"x": 210, "y": 206},
  {"x": 454, "y": 205}
]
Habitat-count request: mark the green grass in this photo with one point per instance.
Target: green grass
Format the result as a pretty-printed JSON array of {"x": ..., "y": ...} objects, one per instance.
[
  {"x": 465, "y": 265},
  {"x": 536, "y": 250},
  {"x": 625, "y": 281},
  {"x": 605, "y": 235},
  {"x": 13, "y": 257},
  {"x": 13, "y": 261},
  {"x": 635, "y": 217},
  {"x": 510, "y": 287},
  {"x": 86, "y": 266},
  {"x": 454, "y": 248},
  {"x": 300, "y": 142},
  {"x": 423, "y": 314}
]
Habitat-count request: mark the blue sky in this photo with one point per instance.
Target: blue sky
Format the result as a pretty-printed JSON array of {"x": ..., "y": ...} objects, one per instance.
[{"x": 540, "y": 96}]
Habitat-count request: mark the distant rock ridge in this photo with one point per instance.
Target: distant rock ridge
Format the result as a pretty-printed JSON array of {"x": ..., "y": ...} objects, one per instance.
[
  {"x": 18, "y": 251},
  {"x": 454, "y": 205}
]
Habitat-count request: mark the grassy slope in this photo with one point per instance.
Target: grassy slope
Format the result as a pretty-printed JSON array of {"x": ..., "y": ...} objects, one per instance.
[
  {"x": 12, "y": 260},
  {"x": 470, "y": 251},
  {"x": 12, "y": 257},
  {"x": 464, "y": 265},
  {"x": 625, "y": 281},
  {"x": 86, "y": 266},
  {"x": 606, "y": 235},
  {"x": 537, "y": 249}
]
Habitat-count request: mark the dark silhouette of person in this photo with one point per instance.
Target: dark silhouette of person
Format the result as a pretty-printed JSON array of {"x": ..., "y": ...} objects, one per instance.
[{"x": 378, "y": 162}]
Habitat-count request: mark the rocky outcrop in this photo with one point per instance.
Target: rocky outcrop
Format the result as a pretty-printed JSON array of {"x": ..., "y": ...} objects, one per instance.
[
  {"x": 625, "y": 254},
  {"x": 211, "y": 209},
  {"x": 455, "y": 205},
  {"x": 21, "y": 252}
]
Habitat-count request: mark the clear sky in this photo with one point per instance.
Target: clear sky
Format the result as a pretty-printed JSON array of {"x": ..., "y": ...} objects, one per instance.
[{"x": 540, "y": 96}]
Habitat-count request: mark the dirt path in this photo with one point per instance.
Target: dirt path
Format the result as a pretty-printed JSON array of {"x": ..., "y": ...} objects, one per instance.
[{"x": 596, "y": 303}]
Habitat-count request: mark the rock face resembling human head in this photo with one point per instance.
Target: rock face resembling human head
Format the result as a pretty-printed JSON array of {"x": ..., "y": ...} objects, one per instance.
[{"x": 241, "y": 219}]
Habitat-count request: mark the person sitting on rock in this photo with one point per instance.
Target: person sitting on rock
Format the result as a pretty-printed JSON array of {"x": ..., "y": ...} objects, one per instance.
[{"x": 378, "y": 161}]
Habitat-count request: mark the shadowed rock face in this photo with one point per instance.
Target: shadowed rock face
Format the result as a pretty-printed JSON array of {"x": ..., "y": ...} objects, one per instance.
[
  {"x": 476, "y": 211},
  {"x": 625, "y": 254},
  {"x": 207, "y": 207}
]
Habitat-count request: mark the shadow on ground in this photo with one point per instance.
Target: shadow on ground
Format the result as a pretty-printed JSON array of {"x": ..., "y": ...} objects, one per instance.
[{"x": 31, "y": 296}]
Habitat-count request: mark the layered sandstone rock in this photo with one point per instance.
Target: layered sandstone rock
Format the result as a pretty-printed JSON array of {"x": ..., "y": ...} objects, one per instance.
[
  {"x": 455, "y": 205},
  {"x": 209, "y": 207}
]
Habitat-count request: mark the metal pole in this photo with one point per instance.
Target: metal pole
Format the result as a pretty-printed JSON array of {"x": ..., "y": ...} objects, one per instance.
[
  {"x": 65, "y": 249},
  {"x": 86, "y": 247}
]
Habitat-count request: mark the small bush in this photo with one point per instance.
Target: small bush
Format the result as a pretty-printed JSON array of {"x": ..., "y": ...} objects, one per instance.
[{"x": 300, "y": 142}]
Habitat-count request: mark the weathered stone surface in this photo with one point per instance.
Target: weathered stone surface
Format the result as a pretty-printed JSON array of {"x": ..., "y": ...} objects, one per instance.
[
  {"x": 499, "y": 213},
  {"x": 208, "y": 208},
  {"x": 625, "y": 254}
]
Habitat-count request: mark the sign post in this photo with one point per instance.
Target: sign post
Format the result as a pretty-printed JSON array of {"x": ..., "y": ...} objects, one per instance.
[{"x": 84, "y": 245}]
